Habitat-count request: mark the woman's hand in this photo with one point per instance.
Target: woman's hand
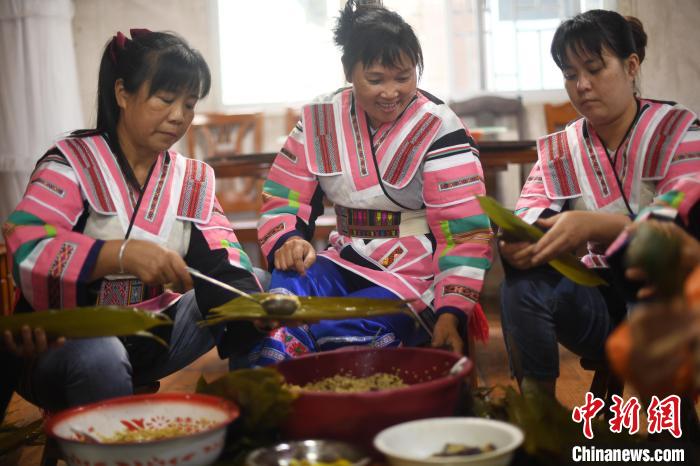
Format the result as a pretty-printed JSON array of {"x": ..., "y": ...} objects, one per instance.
[
  {"x": 296, "y": 253},
  {"x": 566, "y": 233},
  {"x": 446, "y": 334},
  {"x": 156, "y": 265},
  {"x": 33, "y": 343},
  {"x": 690, "y": 255},
  {"x": 518, "y": 254}
]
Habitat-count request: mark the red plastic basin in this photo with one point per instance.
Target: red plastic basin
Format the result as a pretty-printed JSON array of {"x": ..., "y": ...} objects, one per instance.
[{"x": 358, "y": 417}]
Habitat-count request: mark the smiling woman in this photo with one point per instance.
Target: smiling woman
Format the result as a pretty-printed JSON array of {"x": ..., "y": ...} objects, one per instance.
[{"x": 398, "y": 165}]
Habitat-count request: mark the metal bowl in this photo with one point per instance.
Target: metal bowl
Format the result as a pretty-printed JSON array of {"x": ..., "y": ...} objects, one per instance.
[
  {"x": 80, "y": 431},
  {"x": 313, "y": 451}
]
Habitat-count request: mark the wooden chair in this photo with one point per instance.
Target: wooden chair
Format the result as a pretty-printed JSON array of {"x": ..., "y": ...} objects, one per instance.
[
  {"x": 557, "y": 116},
  {"x": 291, "y": 118},
  {"x": 7, "y": 285},
  {"x": 492, "y": 110},
  {"x": 216, "y": 135}
]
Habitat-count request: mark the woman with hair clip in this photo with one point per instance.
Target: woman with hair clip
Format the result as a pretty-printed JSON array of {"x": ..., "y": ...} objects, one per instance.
[
  {"x": 628, "y": 157},
  {"x": 111, "y": 215},
  {"x": 402, "y": 172}
]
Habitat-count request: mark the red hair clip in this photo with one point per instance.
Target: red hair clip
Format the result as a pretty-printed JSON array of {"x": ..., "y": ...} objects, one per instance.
[{"x": 119, "y": 41}]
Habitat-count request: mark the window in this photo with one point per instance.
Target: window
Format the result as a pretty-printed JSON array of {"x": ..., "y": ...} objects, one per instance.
[
  {"x": 282, "y": 51},
  {"x": 277, "y": 51},
  {"x": 517, "y": 35}
]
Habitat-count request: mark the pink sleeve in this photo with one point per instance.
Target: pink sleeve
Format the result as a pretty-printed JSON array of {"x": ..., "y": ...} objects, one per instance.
[
  {"x": 50, "y": 261},
  {"x": 287, "y": 195},
  {"x": 452, "y": 177}
]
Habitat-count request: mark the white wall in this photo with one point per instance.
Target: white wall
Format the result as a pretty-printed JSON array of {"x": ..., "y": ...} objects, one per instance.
[
  {"x": 671, "y": 69},
  {"x": 96, "y": 21}
]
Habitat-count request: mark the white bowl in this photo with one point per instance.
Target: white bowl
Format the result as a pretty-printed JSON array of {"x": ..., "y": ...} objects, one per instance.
[
  {"x": 203, "y": 418},
  {"x": 413, "y": 443}
]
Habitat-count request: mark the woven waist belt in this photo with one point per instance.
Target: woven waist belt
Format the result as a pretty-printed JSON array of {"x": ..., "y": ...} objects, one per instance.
[
  {"x": 370, "y": 223},
  {"x": 126, "y": 291}
]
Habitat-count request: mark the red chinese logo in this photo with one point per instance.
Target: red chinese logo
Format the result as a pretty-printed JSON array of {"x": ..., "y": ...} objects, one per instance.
[
  {"x": 587, "y": 412},
  {"x": 625, "y": 414},
  {"x": 665, "y": 415},
  {"x": 661, "y": 415}
]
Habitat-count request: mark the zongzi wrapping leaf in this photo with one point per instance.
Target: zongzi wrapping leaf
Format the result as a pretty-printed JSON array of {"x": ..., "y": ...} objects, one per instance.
[
  {"x": 265, "y": 404},
  {"x": 515, "y": 227},
  {"x": 311, "y": 308},
  {"x": 88, "y": 322},
  {"x": 12, "y": 437}
]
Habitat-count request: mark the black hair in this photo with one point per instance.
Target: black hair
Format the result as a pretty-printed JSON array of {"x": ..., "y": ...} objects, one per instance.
[
  {"x": 371, "y": 33},
  {"x": 589, "y": 32},
  {"x": 162, "y": 59}
]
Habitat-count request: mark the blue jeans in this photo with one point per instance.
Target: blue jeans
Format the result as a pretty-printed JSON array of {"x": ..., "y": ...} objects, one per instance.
[
  {"x": 540, "y": 308},
  {"x": 88, "y": 370}
]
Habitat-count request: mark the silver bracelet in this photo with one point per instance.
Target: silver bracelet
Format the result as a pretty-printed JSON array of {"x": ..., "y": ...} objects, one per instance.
[{"x": 121, "y": 254}]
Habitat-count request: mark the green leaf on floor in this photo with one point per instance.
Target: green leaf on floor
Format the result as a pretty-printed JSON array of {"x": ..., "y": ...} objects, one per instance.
[
  {"x": 13, "y": 437},
  {"x": 265, "y": 404}
]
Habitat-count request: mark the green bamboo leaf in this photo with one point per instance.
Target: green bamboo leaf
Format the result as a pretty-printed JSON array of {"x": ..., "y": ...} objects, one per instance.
[
  {"x": 516, "y": 228},
  {"x": 88, "y": 322},
  {"x": 12, "y": 437},
  {"x": 311, "y": 309}
]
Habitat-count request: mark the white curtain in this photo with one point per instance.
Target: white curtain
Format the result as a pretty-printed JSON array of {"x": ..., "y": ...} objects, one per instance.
[{"x": 39, "y": 97}]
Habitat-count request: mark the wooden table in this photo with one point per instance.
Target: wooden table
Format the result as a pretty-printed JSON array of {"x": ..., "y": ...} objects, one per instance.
[{"x": 494, "y": 155}]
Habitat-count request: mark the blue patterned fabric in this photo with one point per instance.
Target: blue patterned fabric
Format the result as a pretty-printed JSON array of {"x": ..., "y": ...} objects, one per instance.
[{"x": 325, "y": 278}]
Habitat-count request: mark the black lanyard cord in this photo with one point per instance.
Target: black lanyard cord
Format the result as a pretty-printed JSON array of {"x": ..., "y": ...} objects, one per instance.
[{"x": 613, "y": 160}]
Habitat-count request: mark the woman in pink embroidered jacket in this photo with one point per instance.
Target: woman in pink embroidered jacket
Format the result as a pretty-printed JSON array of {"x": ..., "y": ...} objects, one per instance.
[
  {"x": 626, "y": 158},
  {"x": 111, "y": 215},
  {"x": 402, "y": 172}
]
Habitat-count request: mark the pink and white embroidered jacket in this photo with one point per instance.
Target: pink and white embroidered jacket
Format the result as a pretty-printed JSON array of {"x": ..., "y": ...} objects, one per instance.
[
  {"x": 422, "y": 165},
  {"x": 78, "y": 197},
  {"x": 658, "y": 168}
]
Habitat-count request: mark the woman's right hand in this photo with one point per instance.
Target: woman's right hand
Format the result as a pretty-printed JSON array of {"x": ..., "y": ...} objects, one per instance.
[
  {"x": 296, "y": 253},
  {"x": 156, "y": 265},
  {"x": 518, "y": 254}
]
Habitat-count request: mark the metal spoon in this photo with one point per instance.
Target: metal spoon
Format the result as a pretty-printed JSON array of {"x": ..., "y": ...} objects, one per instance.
[
  {"x": 458, "y": 366},
  {"x": 87, "y": 436},
  {"x": 276, "y": 304}
]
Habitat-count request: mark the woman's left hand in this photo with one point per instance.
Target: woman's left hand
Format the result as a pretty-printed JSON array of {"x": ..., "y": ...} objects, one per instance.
[
  {"x": 33, "y": 342},
  {"x": 446, "y": 334}
]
